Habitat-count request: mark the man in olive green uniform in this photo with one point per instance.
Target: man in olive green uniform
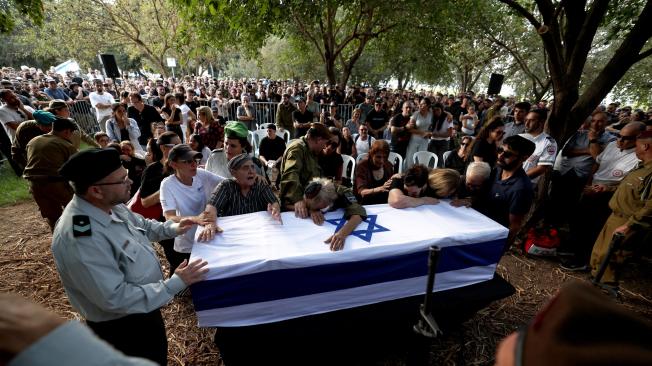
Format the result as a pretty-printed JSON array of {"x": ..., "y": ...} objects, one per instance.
[
  {"x": 45, "y": 155},
  {"x": 28, "y": 130},
  {"x": 322, "y": 194},
  {"x": 284, "y": 114},
  {"x": 300, "y": 166},
  {"x": 632, "y": 210}
]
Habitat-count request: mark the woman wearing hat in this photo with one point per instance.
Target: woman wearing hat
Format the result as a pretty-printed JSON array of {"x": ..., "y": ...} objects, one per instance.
[
  {"x": 239, "y": 195},
  {"x": 185, "y": 193},
  {"x": 122, "y": 128}
]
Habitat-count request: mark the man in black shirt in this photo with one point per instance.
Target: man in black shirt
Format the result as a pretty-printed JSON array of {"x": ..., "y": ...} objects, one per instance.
[
  {"x": 302, "y": 118},
  {"x": 377, "y": 120},
  {"x": 400, "y": 135},
  {"x": 144, "y": 115},
  {"x": 271, "y": 150}
]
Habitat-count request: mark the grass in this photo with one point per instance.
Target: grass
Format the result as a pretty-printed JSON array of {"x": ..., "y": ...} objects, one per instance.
[{"x": 13, "y": 189}]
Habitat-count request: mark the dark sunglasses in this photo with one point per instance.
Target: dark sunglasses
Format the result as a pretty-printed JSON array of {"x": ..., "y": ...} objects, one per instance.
[
  {"x": 506, "y": 153},
  {"x": 625, "y": 138},
  {"x": 196, "y": 161}
]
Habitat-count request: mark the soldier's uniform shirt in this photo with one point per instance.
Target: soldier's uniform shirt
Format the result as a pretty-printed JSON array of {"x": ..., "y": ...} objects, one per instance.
[
  {"x": 614, "y": 164},
  {"x": 284, "y": 117},
  {"x": 545, "y": 152},
  {"x": 107, "y": 264},
  {"x": 299, "y": 167},
  {"x": 25, "y": 132},
  {"x": 347, "y": 200},
  {"x": 632, "y": 206},
  {"x": 45, "y": 155}
]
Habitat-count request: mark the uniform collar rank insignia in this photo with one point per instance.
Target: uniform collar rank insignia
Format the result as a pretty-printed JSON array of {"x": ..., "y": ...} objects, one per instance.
[{"x": 81, "y": 225}]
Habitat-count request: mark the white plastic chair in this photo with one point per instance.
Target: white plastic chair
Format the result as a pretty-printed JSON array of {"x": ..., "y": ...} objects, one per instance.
[
  {"x": 263, "y": 126},
  {"x": 393, "y": 157},
  {"x": 445, "y": 157},
  {"x": 360, "y": 157},
  {"x": 257, "y": 136},
  {"x": 424, "y": 158},
  {"x": 285, "y": 134},
  {"x": 346, "y": 160}
]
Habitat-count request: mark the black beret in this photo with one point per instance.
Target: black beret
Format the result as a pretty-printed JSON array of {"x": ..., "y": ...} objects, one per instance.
[{"x": 89, "y": 166}]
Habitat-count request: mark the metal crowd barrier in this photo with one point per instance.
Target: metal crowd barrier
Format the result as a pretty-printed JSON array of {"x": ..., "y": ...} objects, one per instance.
[
  {"x": 84, "y": 114},
  {"x": 265, "y": 112}
]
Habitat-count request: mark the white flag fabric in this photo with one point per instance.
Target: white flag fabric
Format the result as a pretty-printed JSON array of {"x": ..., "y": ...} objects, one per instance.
[
  {"x": 261, "y": 271},
  {"x": 63, "y": 68}
]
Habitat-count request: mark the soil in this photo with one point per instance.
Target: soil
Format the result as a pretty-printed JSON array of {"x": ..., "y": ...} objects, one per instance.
[{"x": 28, "y": 268}]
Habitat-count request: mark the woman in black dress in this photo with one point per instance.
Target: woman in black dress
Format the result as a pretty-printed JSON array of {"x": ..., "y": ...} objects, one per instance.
[{"x": 485, "y": 145}]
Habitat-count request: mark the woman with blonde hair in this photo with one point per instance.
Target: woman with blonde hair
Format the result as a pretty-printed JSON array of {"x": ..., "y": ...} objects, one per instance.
[{"x": 444, "y": 182}]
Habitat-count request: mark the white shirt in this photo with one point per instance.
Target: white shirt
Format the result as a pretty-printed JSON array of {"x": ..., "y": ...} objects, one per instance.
[
  {"x": 614, "y": 164},
  {"x": 362, "y": 146},
  {"x": 422, "y": 123},
  {"x": 544, "y": 153},
  {"x": 104, "y": 98},
  {"x": 7, "y": 115},
  {"x": 187, "y": 201}
]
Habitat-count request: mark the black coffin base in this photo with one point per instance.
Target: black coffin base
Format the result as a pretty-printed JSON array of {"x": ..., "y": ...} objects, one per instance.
[{"x": 357, "y": 336}]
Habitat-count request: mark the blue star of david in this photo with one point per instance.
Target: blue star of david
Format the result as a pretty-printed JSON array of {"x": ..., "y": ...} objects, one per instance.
[{"x": 365, "y": 235}]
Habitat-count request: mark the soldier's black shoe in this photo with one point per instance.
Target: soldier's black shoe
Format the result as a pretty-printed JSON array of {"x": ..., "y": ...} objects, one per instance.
[{"x": 574, "y": 265}]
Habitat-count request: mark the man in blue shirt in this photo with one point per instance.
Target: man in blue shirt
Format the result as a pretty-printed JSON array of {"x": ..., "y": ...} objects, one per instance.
[
  {"x": 56, "y": 93},
  {"x": 511, "y": 194}
]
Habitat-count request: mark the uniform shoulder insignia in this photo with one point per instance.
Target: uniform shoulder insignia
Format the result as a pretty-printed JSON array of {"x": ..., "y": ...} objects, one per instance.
[
  {"x": 350, "y": 197},
  {"x": 81, "y": 226}
]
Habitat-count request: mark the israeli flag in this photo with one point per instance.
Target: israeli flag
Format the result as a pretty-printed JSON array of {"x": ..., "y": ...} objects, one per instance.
[{"x": 261, "y": 271}]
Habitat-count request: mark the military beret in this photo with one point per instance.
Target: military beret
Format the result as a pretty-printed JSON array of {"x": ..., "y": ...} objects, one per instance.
[
  {"x": 236, "y": 162},
  {"x": 89, "y": 166},
  {"x": 57, "y": 104},
  {"x": 43, "y": 118},
  {"x": 236, "y": 129}
]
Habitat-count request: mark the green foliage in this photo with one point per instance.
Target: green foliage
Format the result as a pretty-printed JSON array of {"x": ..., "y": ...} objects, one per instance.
[
  {"x": 13, "y": 10},
  {"x": 14, "y": 189}
]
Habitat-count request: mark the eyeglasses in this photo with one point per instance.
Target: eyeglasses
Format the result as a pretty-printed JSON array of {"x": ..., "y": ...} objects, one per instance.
[
  {"x": 506, "y": 153},
  {"x": 625, "y": 138},
  {"x": 191, "y": 161},
  {"x": 125, "y": 181}
]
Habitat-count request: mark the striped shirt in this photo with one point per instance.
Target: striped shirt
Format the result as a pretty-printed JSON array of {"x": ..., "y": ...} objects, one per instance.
[{"x": 228, "y": 200}]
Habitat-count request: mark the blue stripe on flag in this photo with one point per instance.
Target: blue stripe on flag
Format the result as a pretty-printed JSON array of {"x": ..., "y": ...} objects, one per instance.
[{"x": 293, "y": 282}]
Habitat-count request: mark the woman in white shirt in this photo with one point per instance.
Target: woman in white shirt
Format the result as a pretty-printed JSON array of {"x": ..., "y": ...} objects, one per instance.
[
  {"x": 418, "y": 127},
  {"x": 186, "y": 193}
]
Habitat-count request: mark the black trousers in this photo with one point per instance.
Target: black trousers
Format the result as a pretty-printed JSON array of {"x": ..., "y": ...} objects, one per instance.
[
  {"x": 174, "y": 258},
  {"x": 138, "y": 335}
]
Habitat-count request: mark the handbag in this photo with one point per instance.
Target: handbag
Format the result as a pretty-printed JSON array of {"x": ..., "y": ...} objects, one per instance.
[{"x": 153, "y": 212}]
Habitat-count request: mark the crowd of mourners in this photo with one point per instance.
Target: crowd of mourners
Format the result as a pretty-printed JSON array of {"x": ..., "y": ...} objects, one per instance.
[{"x": 187, "y": 152}]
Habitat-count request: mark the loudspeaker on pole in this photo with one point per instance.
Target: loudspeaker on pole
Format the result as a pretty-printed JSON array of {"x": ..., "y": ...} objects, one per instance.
[
  {"x": 495, "y": 84},
  {"x": 110, "y": 66}
]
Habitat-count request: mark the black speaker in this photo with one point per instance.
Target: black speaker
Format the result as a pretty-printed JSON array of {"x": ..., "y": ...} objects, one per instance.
[
  {"x": 110, "y": 67},
  {"x": 495, "y": 84}
]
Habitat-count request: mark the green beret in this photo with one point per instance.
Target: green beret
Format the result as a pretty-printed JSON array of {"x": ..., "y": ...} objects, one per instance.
[
  {"x": 89, "y": 166},
  {"x": 43, "y": 117},
  {"x": 236, "y": 129}
]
